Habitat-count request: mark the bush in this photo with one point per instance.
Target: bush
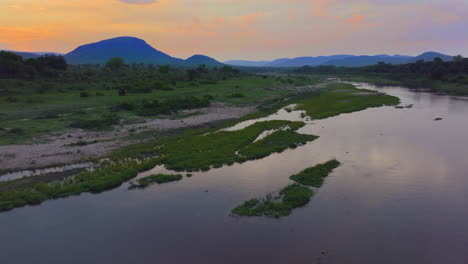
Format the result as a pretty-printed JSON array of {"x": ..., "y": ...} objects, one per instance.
[
  {"x": 290, "y": 197},
  {"x": 102, "y": 122},
  {"x": 237, "y": 95},
  {"x": 314, "y": 176},
  {"x": 11, "y": 99},
  {"x": 161, "y": 86},
  {"x": 16, "y": 130},
  {"x": 156, "y": 107}
]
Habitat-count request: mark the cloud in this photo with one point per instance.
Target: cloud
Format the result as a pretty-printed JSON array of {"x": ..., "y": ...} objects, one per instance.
[
  {"x": 356, "y": 19},
  {"x": 251, "y": 18},
  {"x": 139, "y": 2}
]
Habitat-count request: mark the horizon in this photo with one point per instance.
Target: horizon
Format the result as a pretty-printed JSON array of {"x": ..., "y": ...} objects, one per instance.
[
  {"x": 249, "y": 30},
  {"x": 235, "y": 59}
]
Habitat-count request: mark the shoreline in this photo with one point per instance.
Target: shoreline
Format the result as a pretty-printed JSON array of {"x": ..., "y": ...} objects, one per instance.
[{"x": 64, "y": 148}]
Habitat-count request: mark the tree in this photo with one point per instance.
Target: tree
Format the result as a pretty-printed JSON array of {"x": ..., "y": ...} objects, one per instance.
[
  {"x": 11, "y": 65},
  {"x": 458, "y": 58},
  {"x": 438, "y": 60},
  {"x": 115, "y": 64},
  {"x": 164, "y": 69}
]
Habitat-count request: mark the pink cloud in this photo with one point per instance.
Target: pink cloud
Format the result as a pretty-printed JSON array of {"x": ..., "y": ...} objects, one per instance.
[
  {"x": 356, "y": 19},
  {"x": 251, "y": 18}
]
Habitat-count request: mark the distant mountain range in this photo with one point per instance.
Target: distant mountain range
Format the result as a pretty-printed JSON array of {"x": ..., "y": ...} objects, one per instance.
[
  {"x": 341, "y": 60},
  {"x": 135, "y": 50},
  {"x": 32, "y": 55}
]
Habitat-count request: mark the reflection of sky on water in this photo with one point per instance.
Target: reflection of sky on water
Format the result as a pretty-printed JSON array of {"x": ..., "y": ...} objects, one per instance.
[{"x": 399, "y": 197}]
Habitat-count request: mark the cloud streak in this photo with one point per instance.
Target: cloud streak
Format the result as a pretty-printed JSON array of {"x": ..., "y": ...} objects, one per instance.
[
  {"x": 139, "y": 2},
  {"x": 250, "y": 29}
]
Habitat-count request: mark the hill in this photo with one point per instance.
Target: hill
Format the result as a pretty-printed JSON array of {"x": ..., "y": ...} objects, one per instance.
[
  {"x": 247, "y": 63},
  {"x": 32, "y": 55},
  {"x": 310, "y": 61},
  {"x": 359, "y": 61},
  {"x": 132, "y": 50},
  {"x": 341, "y": 60},
  {"x": 430, "y": 56},
  {"x": 201, "y": 59}
]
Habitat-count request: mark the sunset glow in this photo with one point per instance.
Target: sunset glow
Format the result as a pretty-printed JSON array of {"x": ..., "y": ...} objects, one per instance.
[{"x": 241, "y": 29}]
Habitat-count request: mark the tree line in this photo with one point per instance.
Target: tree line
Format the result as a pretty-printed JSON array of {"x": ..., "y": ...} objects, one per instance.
[
  {"x": 13, "y": 66},
  {"x": 437, "y": 70}
]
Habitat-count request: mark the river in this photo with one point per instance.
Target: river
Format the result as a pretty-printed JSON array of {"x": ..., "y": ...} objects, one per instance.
[{"x": 399, "y": 197}]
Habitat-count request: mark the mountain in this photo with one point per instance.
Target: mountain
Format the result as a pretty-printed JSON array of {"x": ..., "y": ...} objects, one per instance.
[
  {"x": 32, "y": 55},
  {"x": 358, "y": 61},
  {"x": 132, "y": 50},
  {"x": 201, "y": 59},
  {"x": 247, "y": 63},
  {"x": 430, "y": 56},
  {"x": 26, "y": 55},
  {"x": 301, "y": 61},
  {"x": 341, "y": 60}
]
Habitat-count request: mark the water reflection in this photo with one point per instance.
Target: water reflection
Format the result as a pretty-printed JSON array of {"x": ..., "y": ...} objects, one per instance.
[{"x": 399, "y": 197}]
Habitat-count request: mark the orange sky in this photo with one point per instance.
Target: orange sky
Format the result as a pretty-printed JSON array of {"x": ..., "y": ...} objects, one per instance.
[{"x": 241, "y": 29}]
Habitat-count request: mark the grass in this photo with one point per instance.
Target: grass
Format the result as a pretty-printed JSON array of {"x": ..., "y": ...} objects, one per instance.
[
  {"x": 314, "y": 176},
  {"x": 13, "y": 194},
  {"x": 379, "y": 80},
  {"x": 201, "y": 152},
  {"x": 339, "y": 98},
  {"x": 192, "y": 150},
  {"x": 158, "y": 178},
  {"x": 201, "y": 149},
  {"x": 41, "y": 113},
  {"x": 289, "y": 198}
]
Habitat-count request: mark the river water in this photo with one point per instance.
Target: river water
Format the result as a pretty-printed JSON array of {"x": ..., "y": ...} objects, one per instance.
[{"x": 399, "y": 197}]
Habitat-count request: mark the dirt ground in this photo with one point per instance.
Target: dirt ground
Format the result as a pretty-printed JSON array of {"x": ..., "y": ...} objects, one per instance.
[{"x": 57, "y": 149}]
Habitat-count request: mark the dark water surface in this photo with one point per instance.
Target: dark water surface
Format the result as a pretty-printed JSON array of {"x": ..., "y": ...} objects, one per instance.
[{"x": 400, "y": 197}]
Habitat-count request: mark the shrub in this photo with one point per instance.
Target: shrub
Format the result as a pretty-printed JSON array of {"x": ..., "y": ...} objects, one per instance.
[
  {"x": 237, "y": 95},
  {"x": 102, "y": 122},
  {"x": 314, "y": 176},
  {"x": 16, "y": 130}
]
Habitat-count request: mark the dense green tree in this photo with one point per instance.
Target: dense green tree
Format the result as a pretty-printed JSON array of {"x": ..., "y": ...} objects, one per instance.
[
  {"x": 11, "y": 65},
  {"x": 115, "y": 64}
]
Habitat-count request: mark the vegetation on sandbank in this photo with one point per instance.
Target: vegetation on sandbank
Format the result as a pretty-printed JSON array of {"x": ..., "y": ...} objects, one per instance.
[
  {"x": 158, "y": 178},
  {"x": 314, "y": 176},
  {"x": 290, "y": 197}
]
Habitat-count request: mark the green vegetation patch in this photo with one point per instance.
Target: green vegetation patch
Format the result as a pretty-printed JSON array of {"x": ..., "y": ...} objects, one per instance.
[
  {"x": 108, "y": 177},
  {"x": 339, "y": 98},
  {"x": 158, "y": 178},
  {"x": 200, "y": 152},
  {"x": 276, "y": 142},
  {"x": 314, "y": 176},
  {"x": 290, "y": 197}
]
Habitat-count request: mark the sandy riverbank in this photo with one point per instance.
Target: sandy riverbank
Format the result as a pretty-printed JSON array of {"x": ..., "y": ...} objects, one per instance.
[{"x": 58, "y": 151}]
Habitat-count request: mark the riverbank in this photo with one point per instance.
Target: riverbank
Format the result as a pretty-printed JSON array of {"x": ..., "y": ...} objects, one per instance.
[
  {"x": 201, "y": 149},
  {"x": 78, "y": 145}
]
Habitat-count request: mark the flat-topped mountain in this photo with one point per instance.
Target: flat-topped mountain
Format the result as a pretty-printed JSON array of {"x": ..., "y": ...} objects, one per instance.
[{"x": 132, "y": 50}]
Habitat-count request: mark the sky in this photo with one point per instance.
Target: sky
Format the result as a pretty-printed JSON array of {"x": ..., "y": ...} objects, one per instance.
[{"x": 241, "y": 29}]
